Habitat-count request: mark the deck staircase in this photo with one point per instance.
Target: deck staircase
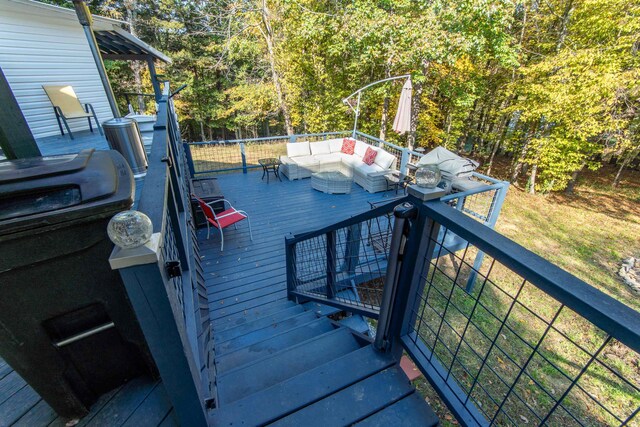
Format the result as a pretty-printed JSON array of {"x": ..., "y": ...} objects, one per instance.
[{"x": 288, "y": 365}]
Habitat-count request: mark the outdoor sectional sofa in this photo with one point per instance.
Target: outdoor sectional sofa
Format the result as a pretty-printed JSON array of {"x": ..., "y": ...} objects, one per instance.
[{"x": 305, "y": 158}]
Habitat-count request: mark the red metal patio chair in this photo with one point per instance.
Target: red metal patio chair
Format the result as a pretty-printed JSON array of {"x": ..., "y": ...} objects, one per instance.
[{"x": 224, "y": 219}]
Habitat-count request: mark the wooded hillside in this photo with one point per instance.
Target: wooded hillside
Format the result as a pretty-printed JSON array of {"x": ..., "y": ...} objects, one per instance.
[{"x": 552, "y": 84}]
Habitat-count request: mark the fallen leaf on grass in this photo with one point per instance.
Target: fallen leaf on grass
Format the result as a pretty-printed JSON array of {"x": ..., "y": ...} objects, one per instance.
[{"x": 523, "y": 418}]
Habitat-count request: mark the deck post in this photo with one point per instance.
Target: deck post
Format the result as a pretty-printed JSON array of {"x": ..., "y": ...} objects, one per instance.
[
  {"x": 397, "y": 254},
  {"x": 149, "y": 291},
  {"x": 331, "y": 264},
  {"x": 244, "y": 157},
  {"x": 187, "y": 152},
  {"x": 404, "y": 160},
  {"x": 290, "y": 260}
]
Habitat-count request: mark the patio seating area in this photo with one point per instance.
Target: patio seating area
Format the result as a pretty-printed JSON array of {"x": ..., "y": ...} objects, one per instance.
[{"x": 250, "y": 274}]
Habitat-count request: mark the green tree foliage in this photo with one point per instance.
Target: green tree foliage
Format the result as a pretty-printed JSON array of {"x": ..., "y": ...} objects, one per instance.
[{"x": 553, "y": 84}]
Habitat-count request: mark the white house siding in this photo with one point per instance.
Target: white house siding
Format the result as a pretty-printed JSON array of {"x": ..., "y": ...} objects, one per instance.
[{"x": 40, "y": 45}]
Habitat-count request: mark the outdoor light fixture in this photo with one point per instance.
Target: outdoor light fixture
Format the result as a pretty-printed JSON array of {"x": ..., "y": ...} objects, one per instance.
[{"x": 130, "y": 229}]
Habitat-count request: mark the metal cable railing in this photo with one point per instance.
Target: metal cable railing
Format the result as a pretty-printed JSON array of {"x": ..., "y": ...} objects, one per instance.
[
  {"x": 343, "y": 265},
  {"x": 241, "y": 155},
  {"x": 530, "y": 345}
]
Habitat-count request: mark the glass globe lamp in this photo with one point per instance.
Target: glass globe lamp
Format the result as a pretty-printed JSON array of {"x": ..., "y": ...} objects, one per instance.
[
  {"x": 130, "y": 229},
  {"x": 428, "y": 176}
]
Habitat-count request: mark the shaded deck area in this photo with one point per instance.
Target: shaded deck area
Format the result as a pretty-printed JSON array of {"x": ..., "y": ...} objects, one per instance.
[
  {"x": 140, "y": 402},
  {"x": 59, "y": 144}
]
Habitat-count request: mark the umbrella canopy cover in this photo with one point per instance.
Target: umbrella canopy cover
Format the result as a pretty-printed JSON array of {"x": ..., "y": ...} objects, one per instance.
[{"x": 402, "y": 122}]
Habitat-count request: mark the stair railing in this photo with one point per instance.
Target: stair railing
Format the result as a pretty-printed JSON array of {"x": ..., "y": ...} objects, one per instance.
[
  {"x": 529, "y": 344},
  {"x": 343, "y": 265},
  {"x": 509, "y": 340}
]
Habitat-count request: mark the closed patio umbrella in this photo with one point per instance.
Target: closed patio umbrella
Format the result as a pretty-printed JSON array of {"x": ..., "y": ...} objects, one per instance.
[{"x": 402, "y": 122}]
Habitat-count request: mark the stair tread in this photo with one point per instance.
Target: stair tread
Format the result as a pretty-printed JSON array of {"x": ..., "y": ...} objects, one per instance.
[
  {"x": 412, "y": 411},
  {"x": 261, "y": 334},
  {"x": 249, "y": 315},
  {"x": 284, "y": 364},
  {"x": 287, "y": 396},
  {"x": 320, "y": 309},
  {"x": 354, "y": 402},
  {"x": 257, "y": 323},
  {"x": 357, "y": 323},
  {"x": 272, "y": 345}
]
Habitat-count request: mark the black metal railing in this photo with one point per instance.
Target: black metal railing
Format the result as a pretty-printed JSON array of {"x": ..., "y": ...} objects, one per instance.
[
  {"x": 344, "y": 265},
  {"x": 530, "y": 344},
  {"x": 165, "y": 282}
]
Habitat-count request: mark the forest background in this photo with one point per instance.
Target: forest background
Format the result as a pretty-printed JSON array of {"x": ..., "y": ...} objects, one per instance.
[{"x": 551, "y": 85}]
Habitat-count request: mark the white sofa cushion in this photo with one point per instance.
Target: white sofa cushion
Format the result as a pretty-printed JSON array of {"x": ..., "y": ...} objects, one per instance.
[
  {"x": 335, "y": 145},
  {"x": 350, "y": 159},
  {"x": 306, "y": 160},
  {"x": 365, "y": 169},
  {"x": 361, "y": 148},
  {"x": 297, "y": 149},
  {"x": 321, "y": 147},
  {"x": 384, "y": 159},
  {"x": 329, "y": 158}
]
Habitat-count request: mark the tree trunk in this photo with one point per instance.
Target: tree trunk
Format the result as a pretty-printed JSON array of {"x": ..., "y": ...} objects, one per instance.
[
  {"x": 518, "y": 160},
  {"x": 418, "y": 87},
  {"x": 267, "y": 32},
  {"x": 532, "y": 179},
  {"x": 465, "y": 136},
  {"x": 628, "y": 159},
  {"x": 202, "y": 135},
  {"x": 574, "y": 178},
  {"x": 564, "y": 25}
]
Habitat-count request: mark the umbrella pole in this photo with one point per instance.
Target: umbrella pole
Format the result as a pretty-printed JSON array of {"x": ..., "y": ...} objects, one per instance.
[{"x": 355, "y": 122}]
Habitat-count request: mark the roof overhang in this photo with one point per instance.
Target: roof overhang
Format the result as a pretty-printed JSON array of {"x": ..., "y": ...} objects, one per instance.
[
  {"x": 119, "y": 44},
  {"x": 113, "y": 41}
]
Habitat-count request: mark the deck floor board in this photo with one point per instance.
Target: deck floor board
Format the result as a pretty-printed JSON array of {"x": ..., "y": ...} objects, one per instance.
[
  {"x": 251, "y": 273},
  {"x": 141, "y": 400}
]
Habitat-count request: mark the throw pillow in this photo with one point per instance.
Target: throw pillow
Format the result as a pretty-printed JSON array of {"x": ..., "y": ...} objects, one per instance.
[
  {"x": 369, "y": 156},
  {"x": 348, "y": 145}
]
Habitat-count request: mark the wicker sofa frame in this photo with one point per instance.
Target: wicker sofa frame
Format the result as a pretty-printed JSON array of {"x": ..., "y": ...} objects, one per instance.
[{"x": 301, "y": 162}]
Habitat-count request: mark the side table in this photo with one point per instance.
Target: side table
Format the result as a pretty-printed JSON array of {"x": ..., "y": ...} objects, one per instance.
[
  {"x": 395, "y": 180},
  {"x": 270, "y": 165}
]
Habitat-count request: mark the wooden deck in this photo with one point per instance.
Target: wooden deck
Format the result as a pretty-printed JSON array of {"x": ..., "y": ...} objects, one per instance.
[
  {"x": 140, "y": 402},
  {"x": 277, "y": 362},
  {"x": 58, "y": 144},
  {"x": 252, "y": 273}
]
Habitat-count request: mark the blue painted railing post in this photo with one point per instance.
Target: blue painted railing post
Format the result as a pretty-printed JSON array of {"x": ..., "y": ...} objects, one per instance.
[
  {"x": 292, "y": 138},
  {"x": 331, "y": 264},
  {"x": 187, "y": 151},
  {"x": 153, "y": 300},
  {"x": 244, "y": 157},
  {"x": 404, "y": 160},
  {"x": 290, "y": 259}
]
